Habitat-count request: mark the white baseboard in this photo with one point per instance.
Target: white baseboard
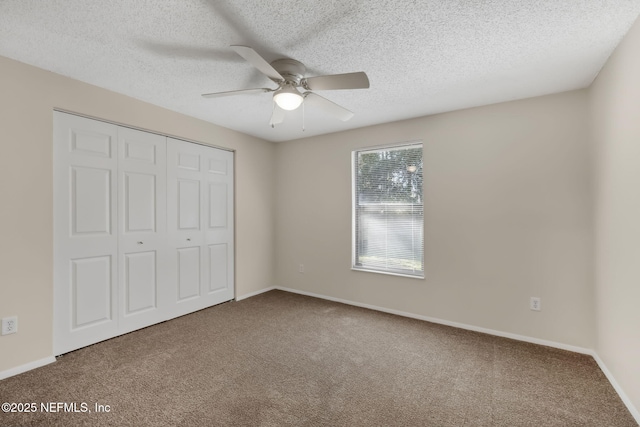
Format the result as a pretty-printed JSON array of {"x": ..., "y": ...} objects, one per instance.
[
  {"x": 625, "y": 399},
  {"x": 42, "y": 362},
  {"x": 623, "y": 396},
  {"x": 253, "y": 294},
  {"x": 26, "y": 367},
  {"x": 517, "y": 337}
]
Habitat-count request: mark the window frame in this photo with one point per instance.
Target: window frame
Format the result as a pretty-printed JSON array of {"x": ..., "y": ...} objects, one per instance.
[{"x": 354, "y": 222}]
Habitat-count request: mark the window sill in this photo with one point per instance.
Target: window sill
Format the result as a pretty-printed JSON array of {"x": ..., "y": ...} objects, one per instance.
[{"x": 389, "y": 273}]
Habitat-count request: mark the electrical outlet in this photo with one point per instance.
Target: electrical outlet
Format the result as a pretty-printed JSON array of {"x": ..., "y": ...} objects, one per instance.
[
  {"x": 534, "y": 304},
  {"x": 301, "y": 268},
  {"x": 9, "y": 325}
]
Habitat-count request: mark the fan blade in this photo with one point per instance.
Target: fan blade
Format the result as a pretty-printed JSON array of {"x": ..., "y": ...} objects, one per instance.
[
  {"x": 357, "y": 80},
  {"x": 277, "y": 116},
  {"x": 175, "y": 50},
  {"x": 328, "y": 106},
  {"x": 236, "y": 92},
  {"x": 257, "y": 61}
]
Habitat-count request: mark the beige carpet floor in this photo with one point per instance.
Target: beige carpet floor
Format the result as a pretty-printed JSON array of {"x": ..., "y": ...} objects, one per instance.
[{"x": 284, "y": 359}]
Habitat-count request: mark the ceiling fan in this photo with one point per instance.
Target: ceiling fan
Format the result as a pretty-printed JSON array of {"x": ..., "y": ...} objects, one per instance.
[{"x": 288, "y": 74}]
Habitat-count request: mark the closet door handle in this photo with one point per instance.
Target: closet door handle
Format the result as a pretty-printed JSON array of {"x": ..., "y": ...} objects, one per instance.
[
  {"x": 140, "y": 243},
  {"x": 188, "y": 240}
]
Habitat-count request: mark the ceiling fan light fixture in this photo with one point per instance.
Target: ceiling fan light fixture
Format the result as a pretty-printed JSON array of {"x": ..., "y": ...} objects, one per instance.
[{"x": 287, "y": 97}]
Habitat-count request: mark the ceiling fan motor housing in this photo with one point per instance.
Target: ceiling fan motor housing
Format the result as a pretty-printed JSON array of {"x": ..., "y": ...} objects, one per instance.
[{"x": 292, "y": 70}]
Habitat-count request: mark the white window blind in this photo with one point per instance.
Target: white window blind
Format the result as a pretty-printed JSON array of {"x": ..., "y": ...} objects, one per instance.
[{"x": 388, "y": 215}]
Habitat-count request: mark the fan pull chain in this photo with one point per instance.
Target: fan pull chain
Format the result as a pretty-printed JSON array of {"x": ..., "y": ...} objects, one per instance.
[
  {"x": 273, "y": 110},
  {"x": 302, "y": 116}
]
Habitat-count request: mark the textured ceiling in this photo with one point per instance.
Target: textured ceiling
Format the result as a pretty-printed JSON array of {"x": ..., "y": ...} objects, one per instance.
[{"x": 422, "y": 57}]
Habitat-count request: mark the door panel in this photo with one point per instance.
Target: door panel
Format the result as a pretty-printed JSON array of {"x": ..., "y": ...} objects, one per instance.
[
  {"x": 90, "y": 201},
  {"x": 91, "y": 290},
  {"x": 188, "y": 159},
  {"x": 85, "y": 224},
  {"x": 188, "y": 204},
  {"x": 140, "y": 202},
  {"x": 140, "y": 150},
  {"x": 218, "y": 267},
  {"x": 200, "y": 200},
  {"x": 218, "y": 166},
  {"x": 184, "y": 225},
  {"x": 85, "y": 141},
  {"x": 217, "y": 204},
  {"x": 140, "y": 281},
  {"x": 142, "y": 239},
  {"x": 188, "y": 273},
  {"x": 219, "y": 230}
]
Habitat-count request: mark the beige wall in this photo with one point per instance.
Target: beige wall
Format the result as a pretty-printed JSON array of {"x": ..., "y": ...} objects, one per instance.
[
  {"x": 28, "y": 97},
  {"x": 509, "y": 201},
  {"x": 615, "y": 108},
  {"x": 508, "y": 205}
]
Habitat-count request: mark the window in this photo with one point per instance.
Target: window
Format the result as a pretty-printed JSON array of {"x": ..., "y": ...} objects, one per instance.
[{"x": 388, "y": 216}]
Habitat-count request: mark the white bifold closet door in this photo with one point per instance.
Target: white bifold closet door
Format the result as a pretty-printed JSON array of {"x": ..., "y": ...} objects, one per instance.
[
  {"x": 200, "y": 225},
  {"x": 143, "y": 229},
  {"x": 85, "y": 232}
]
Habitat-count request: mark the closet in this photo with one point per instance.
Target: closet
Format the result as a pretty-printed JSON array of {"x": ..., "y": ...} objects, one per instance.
[{"x": 143, "y": 229}]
